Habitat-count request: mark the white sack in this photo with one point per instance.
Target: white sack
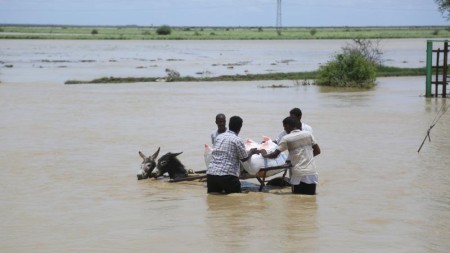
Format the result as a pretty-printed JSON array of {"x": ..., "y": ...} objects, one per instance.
[
  {"x": 208, "y": 154},
  {"x": 256, "y": 162}
]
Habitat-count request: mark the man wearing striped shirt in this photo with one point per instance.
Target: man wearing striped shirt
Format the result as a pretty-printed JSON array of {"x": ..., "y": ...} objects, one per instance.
[
  {"x": 229, "y": 150},
  {"x": 302, "y": 149}
]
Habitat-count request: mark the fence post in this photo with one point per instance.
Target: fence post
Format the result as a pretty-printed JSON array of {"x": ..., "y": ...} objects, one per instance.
[
  {"x": 445, "y": 70},
  {"x": 429, "y": 66}
]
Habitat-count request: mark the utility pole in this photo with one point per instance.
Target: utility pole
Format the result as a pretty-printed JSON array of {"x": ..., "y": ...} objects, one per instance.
[{"x": 278, "y": 27}]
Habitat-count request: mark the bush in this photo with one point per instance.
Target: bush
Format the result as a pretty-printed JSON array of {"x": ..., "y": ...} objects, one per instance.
[
  {"x": 348, "y": 70},
  {"x": 369, "y": 49},
  {"x": 94, "y": 32},
  {"x": 164, "y": 30},
  {"x": 313, "y": 32}
]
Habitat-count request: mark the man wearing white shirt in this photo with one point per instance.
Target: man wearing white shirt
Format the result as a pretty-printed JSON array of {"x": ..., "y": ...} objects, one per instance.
[
  {"x": 296, "y": 113},
  {"x": 221, "y": 122},
  {"x": 302, "y": 148}
]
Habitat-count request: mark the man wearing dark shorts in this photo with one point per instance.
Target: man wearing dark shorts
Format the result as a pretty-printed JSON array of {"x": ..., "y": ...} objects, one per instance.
[{"x": 223, "y": 169}]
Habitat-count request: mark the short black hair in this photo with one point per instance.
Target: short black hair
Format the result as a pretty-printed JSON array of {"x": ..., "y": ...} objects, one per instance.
[
  {"x": 220, "y": 115},
  {"x": 235, "y": 124},
  {"x": 297, "y": 112},
  {"x": 290, "y": 121}
]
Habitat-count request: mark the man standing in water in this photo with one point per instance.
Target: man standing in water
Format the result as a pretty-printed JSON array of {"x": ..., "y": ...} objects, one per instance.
[
  {"x": 221, "y": 122},
  {"x": 302, "y": 149},
  {"x": 223, "y": 169}
]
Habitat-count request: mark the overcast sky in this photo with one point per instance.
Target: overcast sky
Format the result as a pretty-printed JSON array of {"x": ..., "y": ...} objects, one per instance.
[{"x": 222, "y": 12}]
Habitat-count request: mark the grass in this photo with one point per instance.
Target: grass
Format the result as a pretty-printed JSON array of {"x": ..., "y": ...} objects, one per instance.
[
  {"x": 218, "y": 33},
  {"x": 382, "y": 71},
  {"x": 385, "y": 71}
]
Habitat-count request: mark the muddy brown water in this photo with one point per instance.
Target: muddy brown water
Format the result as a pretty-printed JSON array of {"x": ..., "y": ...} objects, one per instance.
[{"x": 69, "y": 153}]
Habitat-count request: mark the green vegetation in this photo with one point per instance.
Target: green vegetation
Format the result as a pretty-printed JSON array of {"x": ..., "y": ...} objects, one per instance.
[
  {"x": 444, "y": 7},
  {"x": 164, "y": 30},
  {"x": 354, "y": 67},
  {"x": 384, "y": 71},
  {"x": 348, "y": 70},
  {"x": 115, "y": 80},
  {"x": 219, "y": 33},
  {"x": 381, "y": 72}
]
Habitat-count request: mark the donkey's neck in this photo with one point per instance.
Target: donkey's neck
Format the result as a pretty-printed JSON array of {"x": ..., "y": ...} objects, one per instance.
[{"x": 177, "y": 170}]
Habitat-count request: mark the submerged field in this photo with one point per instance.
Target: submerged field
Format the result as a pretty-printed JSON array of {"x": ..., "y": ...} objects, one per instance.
[{"x": 218, "y": 33}]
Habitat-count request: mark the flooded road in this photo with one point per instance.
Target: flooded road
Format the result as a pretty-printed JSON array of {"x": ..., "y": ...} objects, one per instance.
[{"x": 69, "y": 153}]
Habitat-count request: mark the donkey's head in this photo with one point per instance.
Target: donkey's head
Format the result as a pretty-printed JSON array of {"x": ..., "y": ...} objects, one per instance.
[
  {"x": 147, "y": 165},
  {"x": 169, "y": 163}
]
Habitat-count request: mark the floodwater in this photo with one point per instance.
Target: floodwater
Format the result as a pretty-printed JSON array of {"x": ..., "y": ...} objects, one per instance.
[{"x": 69, "y": 153}]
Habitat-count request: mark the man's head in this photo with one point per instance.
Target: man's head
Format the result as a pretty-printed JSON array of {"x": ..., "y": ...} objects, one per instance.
[
  {"x": 221, "y": 122},
  {"x": 297, "y": 114},
  {"x": 289, "y": 124},
  {"x": 235, "y": 124}
]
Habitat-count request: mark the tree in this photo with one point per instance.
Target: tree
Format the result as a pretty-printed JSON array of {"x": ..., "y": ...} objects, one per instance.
[
  {"x": 164, "y": 30},
  {"x": 444, "y": 8}
]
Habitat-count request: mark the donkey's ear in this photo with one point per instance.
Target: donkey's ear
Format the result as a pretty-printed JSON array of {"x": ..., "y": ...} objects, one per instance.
[
  {"x": 175, "y": 154},
  {"x": 155, "y": 154},
  {"x": 142, "y": 155}
]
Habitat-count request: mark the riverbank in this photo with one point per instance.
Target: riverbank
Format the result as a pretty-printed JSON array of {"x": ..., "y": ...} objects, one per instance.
[
  {"x": 300, "y": 77},
  {"x": 218, "y": 33}
]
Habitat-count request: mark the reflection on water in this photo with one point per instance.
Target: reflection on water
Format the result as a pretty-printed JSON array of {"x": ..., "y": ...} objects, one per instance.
[
  {"x": 257, "y": 219},
  {"x": 69, "y": 155}
]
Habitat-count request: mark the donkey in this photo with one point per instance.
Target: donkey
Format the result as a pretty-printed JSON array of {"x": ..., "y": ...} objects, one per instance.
[
  {"x": 170, "y": 164},
  {"x": 147, "y": 165}
]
